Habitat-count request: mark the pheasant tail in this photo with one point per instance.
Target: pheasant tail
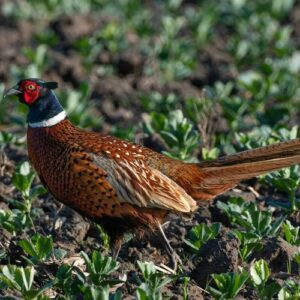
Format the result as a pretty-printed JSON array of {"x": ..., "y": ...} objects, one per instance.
[{"x": 211, "y": 178}]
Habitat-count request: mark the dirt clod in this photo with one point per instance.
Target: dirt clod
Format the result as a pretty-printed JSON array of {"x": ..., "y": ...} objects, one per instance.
[
  {"x": 217, "y": 256},
  {"x": 277, "y": 252}
]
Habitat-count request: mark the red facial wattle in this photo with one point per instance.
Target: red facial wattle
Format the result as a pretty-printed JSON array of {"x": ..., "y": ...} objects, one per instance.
[{"x": 31, "y": 91}]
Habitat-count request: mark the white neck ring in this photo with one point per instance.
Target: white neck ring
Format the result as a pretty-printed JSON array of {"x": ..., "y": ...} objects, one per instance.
[{"x": 50, "y": 122}]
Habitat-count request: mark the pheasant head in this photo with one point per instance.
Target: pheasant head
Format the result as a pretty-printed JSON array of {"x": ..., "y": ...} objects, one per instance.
[{"x": 44, "y": 107}]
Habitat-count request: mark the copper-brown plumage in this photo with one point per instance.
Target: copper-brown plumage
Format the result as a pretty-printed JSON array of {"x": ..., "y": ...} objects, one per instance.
[
  {"x": 110, "y": 180},
  {"x": 127, "y": 187}
]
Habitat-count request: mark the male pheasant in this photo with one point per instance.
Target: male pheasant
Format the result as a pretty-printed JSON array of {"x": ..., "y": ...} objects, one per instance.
[{"x": 121, "y": 185}]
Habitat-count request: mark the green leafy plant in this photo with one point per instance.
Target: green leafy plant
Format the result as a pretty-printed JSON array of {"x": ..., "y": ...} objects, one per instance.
[
  {"x": 33, "y": 9},
  {"x": 39, "y": 60},
  {"x": 68, "y": 279},
  {"x": 124, "y": 133},
  {"x": 23, "y": 180},
  {"x": 7, "y": 138},
  {"x": 176, "y": 132},
  {"x": 112, "y": 36},
  {"x": 100, "y": 292},
  {"x": 158, "y": 102},
  {"x": 174, "y": 54},
  {"x": 202, "y": 23},
  {"x": 291, "y": 233},
  {"x": 186, "y": 281},
  {"x": 99, "y": 268},
  {"x": 249, "y": 243},
  {"x": 14, "y": 221},
  {"x": 21, "y": 216},
  {"x": 227, "y": 285},
  {"x": 21, "y": 280},
  {"x": 78, "y": 106},
  {"x": 104, "y": 237},
  {"x": 290, "y": 290},
  {"x": 209, "y": 154},
  {"x": 287, "y": 180},
  {"x": 39, "y": 247},
  {"x": 153, "y": 282},
  {"x": 233, "y": 207},
  {"x": 297, "y": 258},
  {"x": 94, "y": 284},
  {"x": 201, "y": 234},
  {"x": 264, "y": 135},
  {"x": 260, "y": 274},
  {"x": 247, "y": 215}
]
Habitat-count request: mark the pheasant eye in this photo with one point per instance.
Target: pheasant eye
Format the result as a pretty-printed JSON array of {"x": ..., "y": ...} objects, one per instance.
[{"x": 30, "y": 87}]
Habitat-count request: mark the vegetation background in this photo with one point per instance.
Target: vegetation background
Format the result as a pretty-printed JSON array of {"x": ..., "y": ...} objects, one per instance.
[{"x": 194, "y": 79}]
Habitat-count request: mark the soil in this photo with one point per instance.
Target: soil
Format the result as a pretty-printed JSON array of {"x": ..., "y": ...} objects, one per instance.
[{"x": 115, "y": 97}]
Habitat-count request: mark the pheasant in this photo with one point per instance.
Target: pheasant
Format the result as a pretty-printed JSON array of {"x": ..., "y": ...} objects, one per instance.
[{"x": 123, "y": 186}]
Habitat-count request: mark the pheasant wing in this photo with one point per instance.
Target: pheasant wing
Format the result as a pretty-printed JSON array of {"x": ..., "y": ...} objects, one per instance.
[{"x": 137, "y": 183}]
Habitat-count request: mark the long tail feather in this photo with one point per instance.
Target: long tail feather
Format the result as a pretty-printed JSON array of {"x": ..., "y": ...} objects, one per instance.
[{"x": 217, "y": 176}]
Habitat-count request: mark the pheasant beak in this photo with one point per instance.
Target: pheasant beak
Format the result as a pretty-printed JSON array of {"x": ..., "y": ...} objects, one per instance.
[{"x": 13, "y": 91}]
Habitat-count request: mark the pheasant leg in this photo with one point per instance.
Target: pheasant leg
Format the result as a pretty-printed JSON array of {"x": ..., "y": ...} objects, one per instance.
[
  {"x": 171, "y": 252},
  {"x": 116, "y": 244}
]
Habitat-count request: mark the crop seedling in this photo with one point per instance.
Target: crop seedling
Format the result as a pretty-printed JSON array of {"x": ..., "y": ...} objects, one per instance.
[
  {"x": 227, "y": 285},
  {"x": 186, "y": 281},
  {"x": 99, "y": 268},
  {"x": 158, "y": 102},
  {"x": 202, "y": 23},
  {"x": 209, "y": 154},
  {"x": 68, "y": 279},
  {"x": 38, "y": 58},
  {"x": 176, "y": 132},
  {"x": 297, "y": 259},
  {"x": 247, "y": 215},
  {"x": 14, "y": 221},
  {"x": 291, "y": 233},
  {"x": 137, "y": 15},
  {"x": 104, "y": 236},
  {"x": 290, "y": 290},
  {"x": 102, "y": 293},
  {"x": 7, "y": 138},
  {"x": 201, "y": 234},
  {"x": 39, "y": 248},
  {"x": 287, "y": 180},
  {"x": 233, "y": 208},
  {"x": 124, "y": 133},
  {"x": 249, "y": 243},
  {"x": 38, "y": 61},
  {"x": 174, "y": 54},
  {"x": 112, "y": 37},
  {"x": 94, "y": 284},
  {"x": 33, "y": 9},
  {"x": 21, "y": 216},
  {"x": 263, "y": 136},
  {"x": 153, "y": 282},
  {"x": 22, "y": 180},
  {"x": 21, "y": 280},
  {"x": 260, "y": 274},
  {"x": 78, "y": 107}
]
